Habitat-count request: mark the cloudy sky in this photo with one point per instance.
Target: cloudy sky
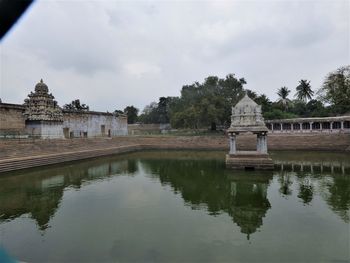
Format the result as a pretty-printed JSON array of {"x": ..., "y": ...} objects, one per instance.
[{"x": 111, "y": 54}]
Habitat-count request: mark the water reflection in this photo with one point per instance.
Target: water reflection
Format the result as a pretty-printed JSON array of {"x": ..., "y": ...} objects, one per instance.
[
  {"x": 38, "y": 192},
  {"x": 200, "y": 179},
  {"x": 323, "y": 173},
  {"x": 314, "y": 163},
  {"x": 286, "y": 182},
  {"x": 337, "y": 195},
  {"x": 207, "y": 185},
  {"x": 306, "y": 190},
  {"x": 249, "y": 201}
]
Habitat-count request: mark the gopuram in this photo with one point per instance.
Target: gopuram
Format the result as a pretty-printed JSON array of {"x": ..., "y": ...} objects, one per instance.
[
  {"x": 43, "y": 116},
  {"x": 247, "y": 118}
]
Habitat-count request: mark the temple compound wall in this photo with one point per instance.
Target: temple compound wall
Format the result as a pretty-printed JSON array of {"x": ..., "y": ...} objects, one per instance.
[
  {"x": 93, "y": 124},
  {"x": 44, "y": 129},
  {"x": 11, "y": 117},
  {"x": 41, "y": 117}
]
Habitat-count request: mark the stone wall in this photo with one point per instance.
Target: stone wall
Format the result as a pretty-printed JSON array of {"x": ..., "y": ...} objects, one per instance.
[
  {"x": 45, "y": 129},
  {"x": 11, "y": 118},
  {"x": 144, "y": 129},
  {"x": 93, "y": 124},
  {"x": 76, "y": 124},
  {"x": 311, "y": 141}
]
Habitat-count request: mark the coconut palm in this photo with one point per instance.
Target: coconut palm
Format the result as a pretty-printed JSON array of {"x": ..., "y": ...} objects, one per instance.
[
  {"x": 283, "y": 93},
  {"x": 304, "y": 91}
]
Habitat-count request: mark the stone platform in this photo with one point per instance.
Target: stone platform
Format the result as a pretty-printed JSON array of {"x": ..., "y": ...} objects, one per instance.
[{"x": 249, "y": 160}]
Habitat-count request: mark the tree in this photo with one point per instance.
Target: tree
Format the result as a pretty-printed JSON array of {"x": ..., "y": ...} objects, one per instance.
[
  {"x": 207, "y": 104},
  {"x": 75, "y": 105},
  {"x": 263, "y": 100},
  {"x": 336, "y": 90},
  {"x": 283, "y": 93},
  {"x": 275, "y": 114},
  {"x": 299, "y": 108},
  {"x": 315, "y": 108},
  {"x": 163, "y": 109},
  {"x": 131, "y": 112},
  {"x": 150, "y": 113},
  {"x": 304, "y": 91},
  {"x": 117, "y": 112}
]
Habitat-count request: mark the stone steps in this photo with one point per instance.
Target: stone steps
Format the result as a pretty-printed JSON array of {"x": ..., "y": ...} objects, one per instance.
[{"x": 28, "y": 162}]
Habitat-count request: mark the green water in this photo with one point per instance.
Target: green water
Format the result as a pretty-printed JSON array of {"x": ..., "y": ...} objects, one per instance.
[{"x": 178, "y": 207}]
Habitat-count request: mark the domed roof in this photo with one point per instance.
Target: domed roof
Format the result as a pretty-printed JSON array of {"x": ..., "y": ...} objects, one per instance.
[
  {"x": 246, "y": 117},
  {"x": 41, "y": 87},
  {"x": 41, "y": 106}
]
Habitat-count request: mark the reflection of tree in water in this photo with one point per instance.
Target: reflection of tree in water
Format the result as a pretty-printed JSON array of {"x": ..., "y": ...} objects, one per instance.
[
  {"x": 306, "y": 190},
  {"x": 242, "y": 195},
  {"x": 333, "y": 185},
  {"x": 38, "y": 192},
  {"x": 285, "y": 181},
  {"x": 31, "y": 197},
  {"x": 338, "y": 195}
]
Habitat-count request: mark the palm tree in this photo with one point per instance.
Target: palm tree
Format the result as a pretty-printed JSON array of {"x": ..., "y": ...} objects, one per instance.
[
  {"x": 283, "y": 93},
  {"x": 304, "y": 91}
]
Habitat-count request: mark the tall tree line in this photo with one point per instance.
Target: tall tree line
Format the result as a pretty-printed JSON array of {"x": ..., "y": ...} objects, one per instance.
[{"x": 209, "y": 103}]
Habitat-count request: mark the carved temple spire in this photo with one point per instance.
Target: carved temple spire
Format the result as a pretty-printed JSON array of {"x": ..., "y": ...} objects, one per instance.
[{"x": 41, "y": 106}]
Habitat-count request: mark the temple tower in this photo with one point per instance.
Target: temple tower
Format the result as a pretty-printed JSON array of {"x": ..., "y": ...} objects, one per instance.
[
  {"x": 247, "y": 118},
  {"x": 44, "y": 118}
]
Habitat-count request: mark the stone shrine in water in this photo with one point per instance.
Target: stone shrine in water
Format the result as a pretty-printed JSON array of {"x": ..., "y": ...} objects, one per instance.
[{"x": 247, "y": 118}]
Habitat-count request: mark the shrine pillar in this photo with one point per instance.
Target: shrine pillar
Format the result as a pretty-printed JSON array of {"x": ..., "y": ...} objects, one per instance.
[{"x": 232, "y": 141}]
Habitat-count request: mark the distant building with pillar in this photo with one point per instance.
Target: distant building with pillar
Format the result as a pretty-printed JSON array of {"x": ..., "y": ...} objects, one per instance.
[
  {"x": 339, "y": 124},
  {"x": 247, "y": 118}
]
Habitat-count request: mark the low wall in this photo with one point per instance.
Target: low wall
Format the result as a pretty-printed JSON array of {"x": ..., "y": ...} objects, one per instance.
[
  {"x": 307, "y": 142},
  {"x": 145, "y": 129},
  {"x": 22, "y": 154}
]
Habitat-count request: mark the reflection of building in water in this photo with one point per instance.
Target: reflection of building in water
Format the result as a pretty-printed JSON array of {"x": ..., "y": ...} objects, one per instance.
[
  {"x": 325, "y": 167},
  {"x": 108, "y": 169},
  {"x": 249, "y": 202},
  {"x": 205, "y": 185}
]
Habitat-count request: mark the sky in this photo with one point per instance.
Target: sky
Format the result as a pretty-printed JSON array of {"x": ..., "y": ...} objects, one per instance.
[{"x": 112, "y": 54}]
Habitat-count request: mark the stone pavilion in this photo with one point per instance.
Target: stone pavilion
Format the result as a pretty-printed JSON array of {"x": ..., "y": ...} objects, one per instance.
[{"x": 247, "y": 118}]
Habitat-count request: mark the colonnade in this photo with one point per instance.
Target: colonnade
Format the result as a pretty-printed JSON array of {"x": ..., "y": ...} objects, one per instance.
[{"x": 330, "y": 124}]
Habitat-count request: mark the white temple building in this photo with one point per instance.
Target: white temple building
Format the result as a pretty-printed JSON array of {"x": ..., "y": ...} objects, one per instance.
[{"x": 247, "y": 118}]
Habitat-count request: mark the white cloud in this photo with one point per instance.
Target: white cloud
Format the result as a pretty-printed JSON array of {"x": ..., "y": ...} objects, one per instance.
[
  {"x": 113, "y": 54},
  {"x": 138, "y": 69}
]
